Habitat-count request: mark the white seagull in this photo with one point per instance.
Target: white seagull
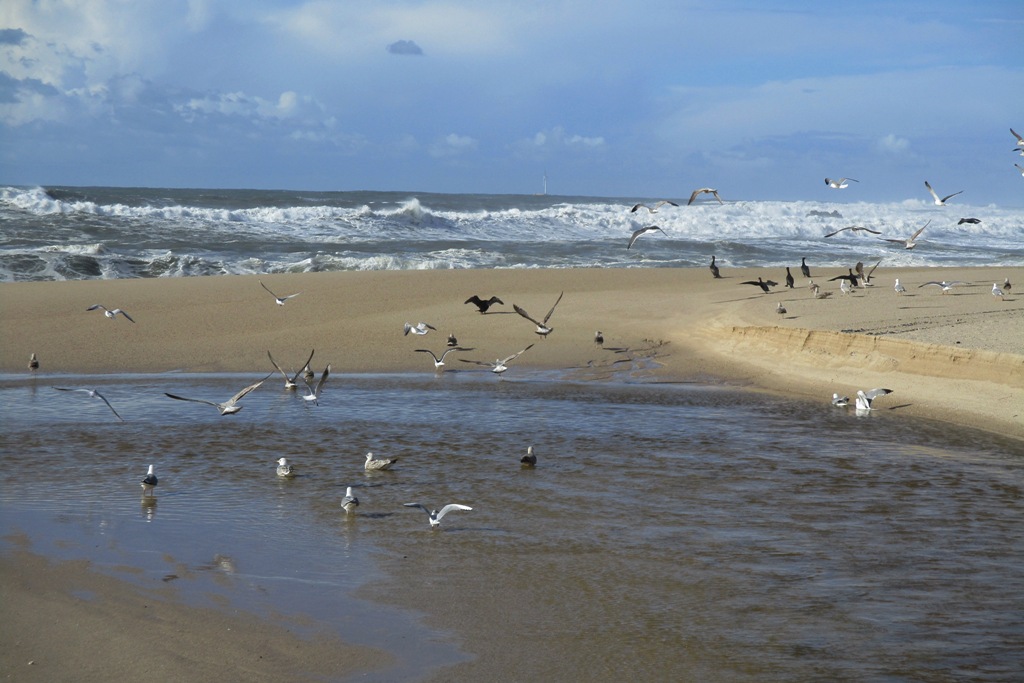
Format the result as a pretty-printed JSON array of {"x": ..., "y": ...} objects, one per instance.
[
  {"x": 33, "y": 362},
  {"x": 94, "y": 394},
  {"x": 542, "y": 327},
  {"x": 314, "y": 394},
  {"x": 499, "y": 365},
  {"x": 864, "y": 398},
  {"x": 704, "y": 190},
  {"x": 643, "y": 231},
  {"x": 996, "y": 291},
  {"x": 900, "y": 289},
  {"x": 840, "y": 401},
  {"x": 290, "y": 383},
  {"x": 946, "y": 286},
  {"x": 939, "y": 202},
  {"x": 1020, "y": 143},
  {"x": 150, "y": 482},
  {"x": 654, "y": 209},
  {"x": 110, "y": 312},
  {"x": 228, "y": 407},
  {"x": 1020, "y": 168},
  {"x": 911, "y": 241},
  {"x": 284, "y": 470},
  {"x": 349, "y": 503},
  {"x": 421, "y": 328},
  {"x": 435, "y": 515},
  {"x": 374, "y": 464},
  {"x": 780, "y": 309},
  {"x": 839, "y": 184},
  {"x": 279, "y": 299},
  {"x": 439, "y": 362}
]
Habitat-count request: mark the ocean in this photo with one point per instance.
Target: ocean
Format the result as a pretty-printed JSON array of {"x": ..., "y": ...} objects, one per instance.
[
  {"x": 669, "y": 531},
  {"x": 60, "y": 233}
]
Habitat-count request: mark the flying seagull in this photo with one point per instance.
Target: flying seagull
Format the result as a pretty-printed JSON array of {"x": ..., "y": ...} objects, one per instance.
[
  {"x": 760, "y": 283},
  {"x": 314, "y": 394},
  {"x": 910, "y": 242},
  {"x": 33, "y": 362},
  {"x": 643, "y": 231},
  {"x": 439, "y": 362},
  {"x": 435, "y": 515},
  {"x": 94, "y": 394},
  {"x": 378, "y": 464},
  {"x": 946, "y": 286},
  {"x": 542, "y": 327},
  {"x": 349, "y": 503},
  {"x": 654, "y": 209},
  {"x": 291, "y": 383},
  {"x": 528, "y": 460},
  {"x": 855, "y": 228},
  {"x": 499, "y": 366},
  {"x": 110, "y": 312},
  {"x": 865, "y": 278},
  {"x": 714, "y": 268},
  {"x": 150, "y": 482},
  {"x": 1020, "y": 168},
  {"x": 420, "y": 328},
  {"x": 864, "y": 398},
  {"x": 229, "y": 407},
  {"x": 972, "y": 221},
  {"x": 279, "y": 299},
  {"x": 704, "y": 190},
  {"x": 1020, "y": 142},
  {"x": 803, "y": 267},
  {"x": 839, "y": 184},
  {"x": 284, "y": 470},
  {"x": 939, "y": 202},
  {"x": 483, "y": 304}
]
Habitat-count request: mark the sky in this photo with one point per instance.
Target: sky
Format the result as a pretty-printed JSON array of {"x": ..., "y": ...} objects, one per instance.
[{"x": 607, "y": 98}]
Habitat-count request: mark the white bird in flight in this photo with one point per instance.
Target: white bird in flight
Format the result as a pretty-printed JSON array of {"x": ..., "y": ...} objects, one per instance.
[
  {"x": 149, "y": 482},
  {"x": 1020, "y": 143},
  {"x": 542, "y": 327},
  {"x": 839, "y": 184},
  {"x": 284, "y": 469},
  {"x": 349, "y": 503},
  {"x": 110, "y": 312},
  {"x": 499, "y": 365},
  {"x": 704, "y": 190},
  {"x": 279, "y": 299},
  {"x": 378, "y": 464},
  {"x": 911, "y": 241},
  {"x": 439, "y": 362},
  {"x": 291, "y": 383},
  {"x": 855, "y": 228},
  {"x": 94, "y": 394},
  {"x": 642, "y": 231},
  {"x": 864, "y": 398},
  {"x": 436, "y": 515},
  {"x": 657, "y": 206},
  {"x": 314, "y": 394},
  {"x": 946, "y": 286},
  {"x": 228, "y": 407},
  {"x": 420, "y": 328},
  {"x": 942, "y": 201}
]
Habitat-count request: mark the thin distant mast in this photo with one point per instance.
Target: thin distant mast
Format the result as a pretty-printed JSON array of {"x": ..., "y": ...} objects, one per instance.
[{"x": 545, "y": 191}]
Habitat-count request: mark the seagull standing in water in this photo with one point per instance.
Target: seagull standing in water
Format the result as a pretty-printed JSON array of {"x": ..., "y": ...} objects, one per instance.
[
  {"x": 435, "y": 515},
  {"x": 378, "y": 464},
  {"x": 499, "y": 365},
  {"x": 938, "y": 201},
  {"x": 110, "y": 312},
  {"x": 439, "y": 362},
  {"x": 528, "y": 460},
  {"x": 150, "y": 482},
  {"x": 864, "y": 398},
  {"x": 349, "y": 503},
  {"x": 839, "y": 184},
  {"x": 314, "y": 394},
  {"x": 704, "y": 190},
  {"x": 279, "y": 299},
  {"x": 542, "y": 327},
  {"x": 291, "y": 383},
  {"x": 94, "y": 394},
  {"x": 642, "y": 231},
  {"x": 284, "y": 470},
  {"x": 228, "y": 407}
]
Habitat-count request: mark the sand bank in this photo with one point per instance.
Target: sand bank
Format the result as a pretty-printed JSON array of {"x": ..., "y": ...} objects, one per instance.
[{"x": 955, "y": 356}]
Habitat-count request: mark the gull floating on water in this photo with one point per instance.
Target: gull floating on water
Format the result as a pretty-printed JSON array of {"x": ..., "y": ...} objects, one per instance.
[
  {"x": 840, "y": 401},
  {"x": 714, "y": 268},
  {"x": 420, "y": 328},
  {"x": 942, "y": 201},
  {"x": 291, "y": 383},
  {"x": 854, "y": 228},
  {"x": 663, "y": 202},
  {"x": 33, "y": 362},
  {"x": 439, "y": 362},
  {"x": 150, "y": 482},
  {"x": 349, "y": 503},
  {"x": 542, "y": 327},
  {"x": 642, "y": 231},
  {"x": 704, "y": 190},
  {"x": 483, "y": 304},
  {"x": 110, "y": 313},
  {"x": 499, "y": 366},
  {"x": 230, "y": 406},
  {"x": 94, "y": 394},
  {"x": 911, "y": 241},
  {"x": 946, "y": 286},
  {"x": 374, "y": 464},
  {"x": 314, "y": 394},
  {"x": 529, "y": 460},
  {"x": 284, "y": 470},
  {"x": 839, "y": 184},
  {"x": 279, "y": 299},
  {"x": 864, "y": 398},
  {"x": 435, "y": 515},
  {"x": 900, "y": 289}
]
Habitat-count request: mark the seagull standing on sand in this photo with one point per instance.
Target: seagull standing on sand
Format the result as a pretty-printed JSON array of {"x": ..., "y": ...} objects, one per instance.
[
  {"x": 946, "y": 286},
  {"x": 229, "y": 407},
  {"x": 150, "y": 482},
  {"x": 439, "y": 362},
  {"x": 714, "y": 268},
  {"x": 655, "y": 208},
  {"x": 845, "y": 287},
  {"x": 529, "y": 460},
  {"x": 900, "y": 289},
  {"x": 501, "y": 365},
  {"x": 910, "y": 242},
  {"x": 33, "y": 362},
  {"x": 420, "y": 328},
  {"x": 942, "y": 201},
  {"x": 864, "y": 398},
  {"x": 598, "y": 338},
  {"x": 94, "y": 394},
  {"x": 291, "y": 383},
  {"x": 996, "y": 291},
  {"x": 1006, "y": 285},
  {"x": 284, "y": 470},
  {"x": 349, "y": 503},
  {"x": 642, "y": 231},
  {"x": 542, "y": 327},
  {"x": 839, "y": 184},
  {"x": 803, "y": 267},
  {"x": 111, "y": 312},
  {"x": 435, "y": 515},
  {"x": 483, "y": 304},
  {"x": 378, "y": 464},
  {"x": 279, "y": 299},
  {"x": 314, "y": 394},
  {"x": 780, "y": 309},
  {"x": 452, "y": 341},
  {"x": 704, "y": 190}
]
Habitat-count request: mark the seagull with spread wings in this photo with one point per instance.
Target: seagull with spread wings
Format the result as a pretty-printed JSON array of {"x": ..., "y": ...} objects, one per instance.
[
  {"x": 542, "y": 327},
  {"x": 911, "y": 241},
  {"x": 704, "y": 190},
  {"x": 642, "y": 231},
  {"x": 938, "y": 201},
  {"x": 279, "y": 299},
  {"x": 854, "y": 228},
  {"x": 228, "y": 407}
]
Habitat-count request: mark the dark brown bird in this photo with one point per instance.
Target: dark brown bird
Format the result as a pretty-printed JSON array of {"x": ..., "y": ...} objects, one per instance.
[
  {"x": 760, "y": 283},
  {"x": 714, "y": 268},
  {"x": 481, "y": 304}
]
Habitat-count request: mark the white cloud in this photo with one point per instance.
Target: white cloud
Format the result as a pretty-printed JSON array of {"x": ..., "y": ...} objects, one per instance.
[
  {"x": 893, "y": 144},
  {"x": 452, "y": 145}
]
